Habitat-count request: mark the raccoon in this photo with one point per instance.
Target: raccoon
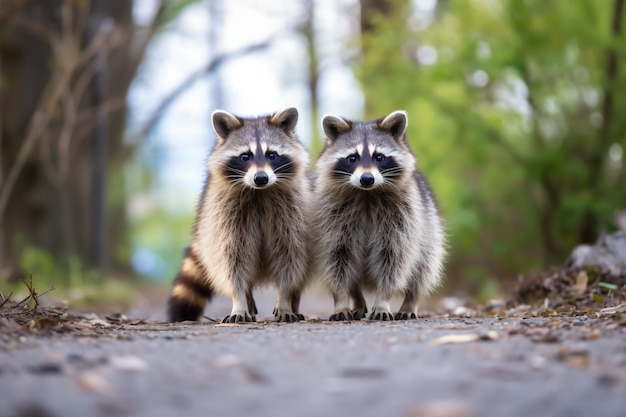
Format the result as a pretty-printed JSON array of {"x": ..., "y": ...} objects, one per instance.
[
  {"x": 376, "y": 219},
  {"x": 251, "y": 224}
]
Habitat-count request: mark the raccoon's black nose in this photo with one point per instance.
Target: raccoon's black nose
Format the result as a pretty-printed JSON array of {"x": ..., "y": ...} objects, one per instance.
[
  {"x": 261, "y": 178},
  {"x": 367, "y": 180}
]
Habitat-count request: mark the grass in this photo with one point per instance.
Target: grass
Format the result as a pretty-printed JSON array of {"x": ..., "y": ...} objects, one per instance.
[{"x": 112, "y": 294}]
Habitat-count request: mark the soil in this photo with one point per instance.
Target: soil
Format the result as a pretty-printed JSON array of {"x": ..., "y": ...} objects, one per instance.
[{"x": 556, "y": 347}]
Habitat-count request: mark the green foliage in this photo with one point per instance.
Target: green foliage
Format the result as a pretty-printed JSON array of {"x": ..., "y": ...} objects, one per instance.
[
  {"x": 163, "y": 235},
  {"x": 173, "y": 9},
  {"x": 68, "y": 280},
  {"x": 54, "y": 272},
  {"x": 508, "y": 123}
]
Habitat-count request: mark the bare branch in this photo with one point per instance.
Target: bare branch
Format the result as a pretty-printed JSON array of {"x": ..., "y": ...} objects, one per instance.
[
  {"x": 189, "y": 82},
  {"x": 87, "y": 118},
  {"x": 91, "y": 114},
  {"x": 34, "y": 28},
  {"x": 48, "y": 101},
  {"x": 151, "y": 31},
  {"x": 37, "y": 125}
]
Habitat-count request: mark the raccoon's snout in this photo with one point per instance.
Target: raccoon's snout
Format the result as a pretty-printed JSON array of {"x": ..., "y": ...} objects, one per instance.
[
  {"x": 367, "y": 180},
  {"x": 261, "y": 178}
]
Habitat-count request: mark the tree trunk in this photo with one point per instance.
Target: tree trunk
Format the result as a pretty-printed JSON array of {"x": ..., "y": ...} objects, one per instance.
[
  {"x": 58, "y": 216},
  {"x": 313, "y": 74},
  {"x": 370, "y": 9}
]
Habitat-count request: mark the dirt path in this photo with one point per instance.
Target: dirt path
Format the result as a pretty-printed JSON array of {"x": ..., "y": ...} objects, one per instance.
[{"x": 553, "y": 366}]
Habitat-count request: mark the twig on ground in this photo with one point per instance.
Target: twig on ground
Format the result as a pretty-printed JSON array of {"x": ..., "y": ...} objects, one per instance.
[
  {"x": 211, "y": 319},
  {"x": 32, "y": 295},
  {"x": 4, "y": 300}
]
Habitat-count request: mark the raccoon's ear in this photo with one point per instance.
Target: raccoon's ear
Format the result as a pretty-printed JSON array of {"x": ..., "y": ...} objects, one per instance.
[
  {"x": 224, "y": 123},
  {"x": 335, "y": 126},
  {"x": 285, "y": 119},
  {"x": 395, "y": 124}
]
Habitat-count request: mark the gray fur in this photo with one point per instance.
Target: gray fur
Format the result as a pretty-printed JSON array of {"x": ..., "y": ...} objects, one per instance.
[
  {"x": 246, "y": 236},
  {"x": 388, "y": 238}
]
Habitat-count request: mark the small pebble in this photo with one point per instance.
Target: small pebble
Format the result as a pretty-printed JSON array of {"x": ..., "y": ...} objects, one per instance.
[{"x": 47, "y": 368}]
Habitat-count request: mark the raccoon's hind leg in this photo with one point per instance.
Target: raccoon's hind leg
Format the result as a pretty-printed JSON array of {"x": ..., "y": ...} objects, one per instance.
[
  {"x": 244, "y": 306},
  {"x": 408, "y": 309},
  {"x": 191, "y": 291},
  {"x": 383, "y": 266},
  {"x": 344, "y": 267},
  {"x": 382, "y": 308},
  {"x": 357, "y": 303},
  {"x": 288, "y": 255},
  {"x": 295, "y": 306},
  {"x": 284, "y": 306},
  {"x": 239, "y": 313},
  {"x": 251, "y": 305},
  {"x": 342, "y": 307}
]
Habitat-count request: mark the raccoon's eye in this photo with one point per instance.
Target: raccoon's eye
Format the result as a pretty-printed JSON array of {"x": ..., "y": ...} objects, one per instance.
[
  {"x": 353, "y": 158},
  {"x": 245, "y": 157},
  {"x": 379, "y": 157},
  {"x": 272, "y": 155}
]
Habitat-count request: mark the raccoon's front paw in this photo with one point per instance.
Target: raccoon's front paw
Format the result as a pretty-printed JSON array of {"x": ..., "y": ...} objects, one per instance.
[
  {"x": 239, "y": 318},
  {"x": 382, "y": 315},
  {"x": 341, "y": 315},
  {"x": 405, "y": 315},
  {"x": 288, "y": 317}
]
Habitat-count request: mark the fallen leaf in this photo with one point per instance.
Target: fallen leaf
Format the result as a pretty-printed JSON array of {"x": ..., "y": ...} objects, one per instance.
[
  {"x": 464, "y": 338},
  {"x": 613, "y": 310},
  {"x": 594, "y": 334},
  {"x": 93, "y": 382},
  {"x": 128, "y": 363},
  {"x": 99, "y": 323},
  {"x": 462, "y": 311},
  {"x": 581, "y": 283},
  {"x": 450, "y": 326}
]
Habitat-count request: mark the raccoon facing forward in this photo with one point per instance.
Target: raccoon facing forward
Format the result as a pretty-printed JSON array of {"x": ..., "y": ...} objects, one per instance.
[
  {"x": 251, "y": 225},
  {"x": 376, "y": 219}
]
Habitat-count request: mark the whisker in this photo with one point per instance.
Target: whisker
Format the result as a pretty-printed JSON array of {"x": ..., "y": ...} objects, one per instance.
[
  {"x": 284, "y": 166},
  {"x": 343, "y": 173}
]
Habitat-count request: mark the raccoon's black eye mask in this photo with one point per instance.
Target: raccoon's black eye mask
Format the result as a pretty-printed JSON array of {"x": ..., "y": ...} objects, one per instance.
[
  {"x": 246, "y": 156},
  {"x": 378, "y": 157}
]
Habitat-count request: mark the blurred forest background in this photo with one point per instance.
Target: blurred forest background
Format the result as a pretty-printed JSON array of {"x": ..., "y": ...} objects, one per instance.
[{"x": 517, "y": 113}]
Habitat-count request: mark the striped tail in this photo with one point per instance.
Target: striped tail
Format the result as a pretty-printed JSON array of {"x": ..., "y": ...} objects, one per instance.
[{"x": 191, "y": 291}]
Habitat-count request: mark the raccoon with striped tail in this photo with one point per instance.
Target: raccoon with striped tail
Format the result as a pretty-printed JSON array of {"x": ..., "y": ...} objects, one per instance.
[
  {"x": 251, "y": 224},
  {"x": 376, "y": 219}
]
